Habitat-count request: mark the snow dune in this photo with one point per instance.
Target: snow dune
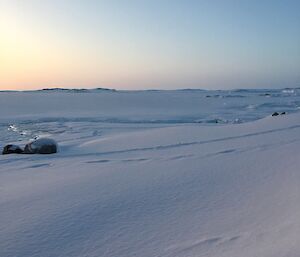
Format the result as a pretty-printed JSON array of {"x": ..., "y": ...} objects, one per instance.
[{"x": 169, "y": 190}]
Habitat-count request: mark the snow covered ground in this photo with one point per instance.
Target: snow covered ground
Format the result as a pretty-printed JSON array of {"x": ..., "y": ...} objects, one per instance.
[{"x": 152, "y": 173}]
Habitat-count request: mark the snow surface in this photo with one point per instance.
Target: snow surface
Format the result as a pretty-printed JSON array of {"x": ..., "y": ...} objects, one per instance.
[{"x": 151, "y": 173}]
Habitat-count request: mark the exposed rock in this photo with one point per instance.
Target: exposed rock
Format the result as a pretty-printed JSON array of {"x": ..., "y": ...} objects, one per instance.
[
  {"x": 9, "y": 149},
  {"x": 276, "y": 113},
  {"x": 41, "y": 146}
]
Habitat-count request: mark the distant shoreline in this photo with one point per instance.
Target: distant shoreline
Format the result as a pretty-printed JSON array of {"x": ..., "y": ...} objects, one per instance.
[{"x": 87, "y": 90}]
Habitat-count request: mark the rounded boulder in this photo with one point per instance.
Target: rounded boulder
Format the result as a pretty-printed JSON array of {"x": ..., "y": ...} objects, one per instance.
[
  {"x": 9, "y": 149},
  {"x": 41, "y": 146}
]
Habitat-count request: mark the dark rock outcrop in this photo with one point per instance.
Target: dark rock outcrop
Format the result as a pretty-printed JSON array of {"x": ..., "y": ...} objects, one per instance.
[
  {"x": 275, "y": 114},
  {"x": 41, "y": 146},
  {"x": 9, "y": 149}
]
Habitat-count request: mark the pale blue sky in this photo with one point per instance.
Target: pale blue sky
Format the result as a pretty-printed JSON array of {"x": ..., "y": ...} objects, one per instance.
[{"x": 150, "y": 44}]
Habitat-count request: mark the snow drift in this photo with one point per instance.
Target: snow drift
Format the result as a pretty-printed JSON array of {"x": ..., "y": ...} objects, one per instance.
[{"x": 143, "y": 189}]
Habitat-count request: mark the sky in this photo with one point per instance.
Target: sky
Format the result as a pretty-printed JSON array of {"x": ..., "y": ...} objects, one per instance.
[{"x": 144, "y": 44}]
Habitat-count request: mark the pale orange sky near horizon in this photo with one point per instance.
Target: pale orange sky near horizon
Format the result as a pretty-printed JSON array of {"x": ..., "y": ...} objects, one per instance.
[{"x": 137, "y": 46}]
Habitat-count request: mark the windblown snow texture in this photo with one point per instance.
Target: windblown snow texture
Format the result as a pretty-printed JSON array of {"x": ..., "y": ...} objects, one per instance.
[{"x": 170, "y": 174}]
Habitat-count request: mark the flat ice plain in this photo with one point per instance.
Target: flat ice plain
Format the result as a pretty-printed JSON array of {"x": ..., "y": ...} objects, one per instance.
[{"x": 152, "y": 173}]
